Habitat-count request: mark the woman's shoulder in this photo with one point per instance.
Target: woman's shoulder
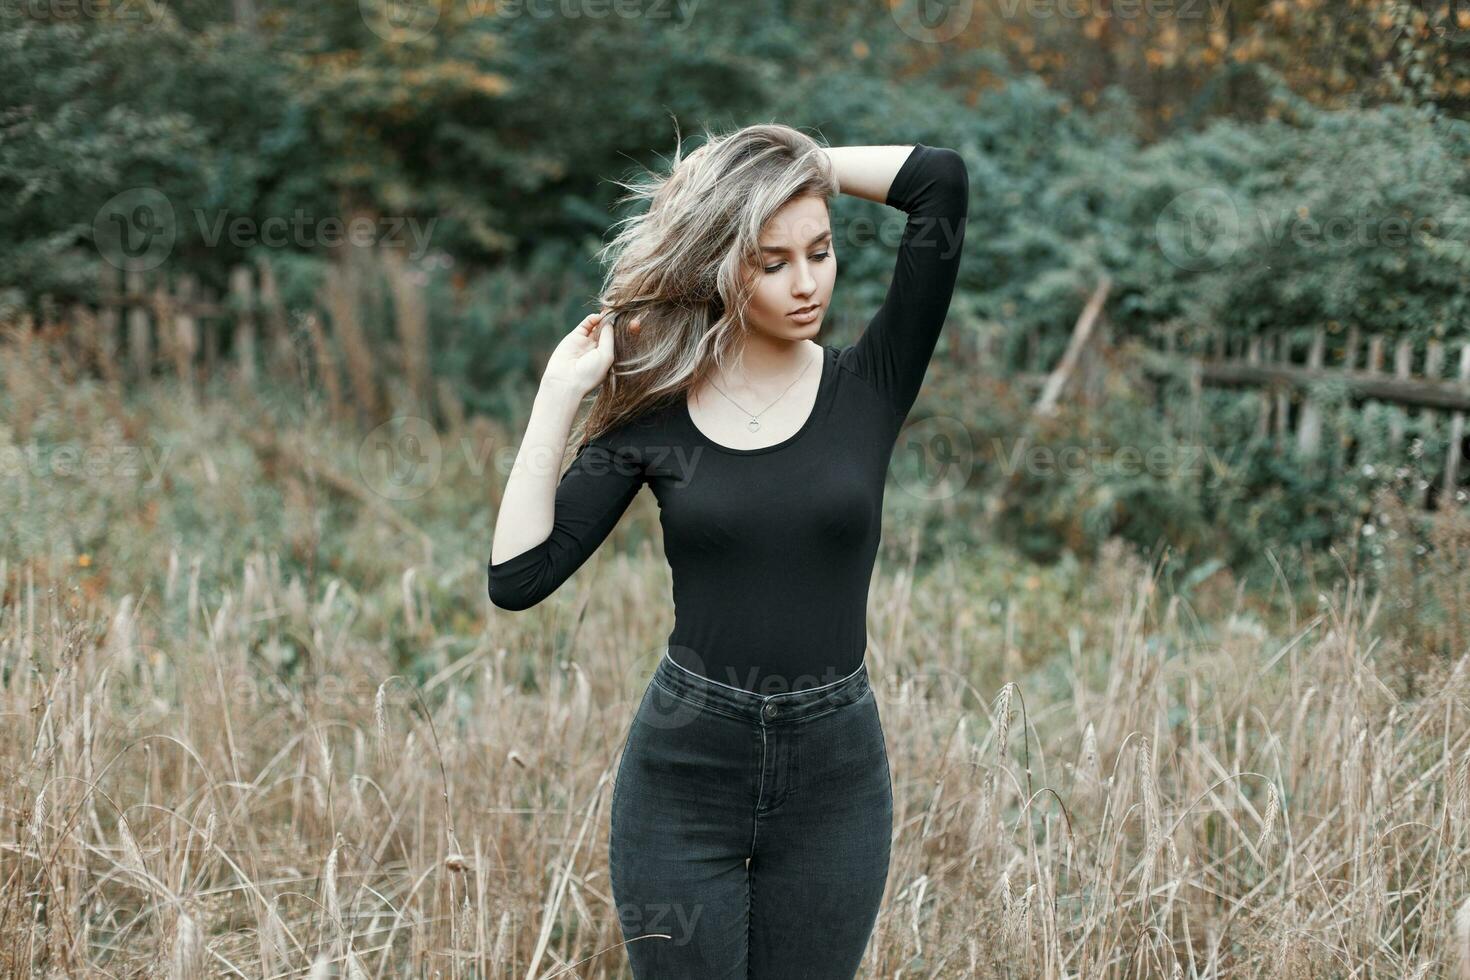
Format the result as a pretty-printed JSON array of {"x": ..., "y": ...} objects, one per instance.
[{"x": 648, "y": 422}]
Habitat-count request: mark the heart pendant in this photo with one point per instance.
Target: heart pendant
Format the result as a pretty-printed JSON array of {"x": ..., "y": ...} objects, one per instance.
[{"x": 753, "y": 425}]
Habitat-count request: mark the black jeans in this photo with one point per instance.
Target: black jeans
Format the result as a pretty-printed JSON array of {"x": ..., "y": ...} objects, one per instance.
[{"x": 750, "y": 833}]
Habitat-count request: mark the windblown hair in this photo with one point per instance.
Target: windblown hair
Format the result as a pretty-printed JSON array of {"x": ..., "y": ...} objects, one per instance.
[{"x": 686, "y": 267}]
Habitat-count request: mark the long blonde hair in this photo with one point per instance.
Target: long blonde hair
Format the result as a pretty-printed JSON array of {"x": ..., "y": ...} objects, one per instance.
[{"x": 686, "y": 266}]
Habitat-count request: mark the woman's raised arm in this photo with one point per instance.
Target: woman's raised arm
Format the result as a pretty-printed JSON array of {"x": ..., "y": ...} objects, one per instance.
[{"x": 933, "y": 186}]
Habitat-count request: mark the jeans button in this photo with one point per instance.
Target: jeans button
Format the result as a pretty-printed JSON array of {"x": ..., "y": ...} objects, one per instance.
[{"x": 769, "y": 711}]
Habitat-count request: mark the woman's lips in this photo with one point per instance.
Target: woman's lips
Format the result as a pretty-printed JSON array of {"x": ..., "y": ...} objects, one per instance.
[{"x": 808, "y": 315}]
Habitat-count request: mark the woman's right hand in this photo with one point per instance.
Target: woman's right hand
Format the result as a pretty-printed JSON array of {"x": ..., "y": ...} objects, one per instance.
[{"x": 582, "y": 359}]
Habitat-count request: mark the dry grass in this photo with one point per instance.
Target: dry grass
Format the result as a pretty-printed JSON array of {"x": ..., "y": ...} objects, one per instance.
[{"x": 1107, "y": 781}]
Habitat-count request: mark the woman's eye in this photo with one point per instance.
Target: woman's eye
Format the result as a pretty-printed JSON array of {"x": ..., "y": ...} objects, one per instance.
[{"x": 819, "y": 257}]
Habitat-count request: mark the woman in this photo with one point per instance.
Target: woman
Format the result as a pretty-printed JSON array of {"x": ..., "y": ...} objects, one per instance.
[{"x": 753, "y": 806}]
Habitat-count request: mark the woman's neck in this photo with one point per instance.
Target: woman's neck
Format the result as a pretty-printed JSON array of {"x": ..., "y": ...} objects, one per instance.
[{"x": 766, "y": 361}]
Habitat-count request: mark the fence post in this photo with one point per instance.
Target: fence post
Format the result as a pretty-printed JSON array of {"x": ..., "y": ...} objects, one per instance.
[
  {"x": 411, "y": 325},
  {"x": 1433, "y": 368},
  {"x": 341, "y": 300},
  {"x": 1457, "y": 432},
  {"x": 210, "y": 337},
  {"x": 1191, "y": 350},
  {"x": 244, "y": 304},
  {"x": 82, "y": 332},
  {"x": 1403, "y": 356},
  {"x": 1343, "y": 429},
  {"x": 186, "y": 332},
  {"x": 1309, "y": 426},
  {"x": 1373, "y": 363},
  {"x": 1375, "y": 355},
  {"x": 105, "y": 343},
  {"x": 326, "y": 365},
  {"x": 1263, "y": 396},
  {"x": 1282, "y": 356},
  {"x": 278, "y": 339},
  {"x": 140, "y": 346},
  {"x": 161, "y": 304}
]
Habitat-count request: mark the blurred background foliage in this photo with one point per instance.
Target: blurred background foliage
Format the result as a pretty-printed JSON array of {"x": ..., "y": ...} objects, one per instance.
[{"x": 502, "y": 129}]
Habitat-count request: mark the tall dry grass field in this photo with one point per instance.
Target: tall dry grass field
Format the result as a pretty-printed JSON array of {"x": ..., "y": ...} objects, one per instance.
[{"x": 252, "y": 728}]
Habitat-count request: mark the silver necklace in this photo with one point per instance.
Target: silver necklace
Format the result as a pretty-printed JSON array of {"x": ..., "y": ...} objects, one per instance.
[{"x": 754, "y": 424}]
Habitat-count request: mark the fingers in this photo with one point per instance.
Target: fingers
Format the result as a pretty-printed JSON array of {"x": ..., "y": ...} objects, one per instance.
[
  {"x": 605, "y": 343},
  {"x": 590, "y": 323},
  {"x": 605, "y": 337}
]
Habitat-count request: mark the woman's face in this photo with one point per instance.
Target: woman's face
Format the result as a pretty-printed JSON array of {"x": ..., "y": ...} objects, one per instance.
[{"x": 799, "y": 270}]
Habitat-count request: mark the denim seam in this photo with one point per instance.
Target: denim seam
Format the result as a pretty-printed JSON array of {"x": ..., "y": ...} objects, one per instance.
[
  {"x": 760, "y": 791},
  {"x": 827, "y": 710},
  {"x": 749, "y": 914},
  {"x": 766, "y": 697},
  {"x": 883, "y": 743},
  {"x": 820, "y": 687},
  {"x": 701, "y": 705},
  {"x": 755, "y": 827},
  {"x": 821, "y": 714}
]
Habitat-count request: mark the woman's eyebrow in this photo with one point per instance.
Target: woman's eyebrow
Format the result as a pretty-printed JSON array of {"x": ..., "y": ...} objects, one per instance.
[{"x": 782, "y": 249}]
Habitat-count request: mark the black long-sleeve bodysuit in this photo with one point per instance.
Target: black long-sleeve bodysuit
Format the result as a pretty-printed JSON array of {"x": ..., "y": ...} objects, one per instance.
[{"x": 772, "y": 549}]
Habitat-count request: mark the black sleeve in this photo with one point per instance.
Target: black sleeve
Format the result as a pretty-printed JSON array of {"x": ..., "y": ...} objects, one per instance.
[
  {"x": 893, "y": 353},
  {"x": 599, "y": 484}
]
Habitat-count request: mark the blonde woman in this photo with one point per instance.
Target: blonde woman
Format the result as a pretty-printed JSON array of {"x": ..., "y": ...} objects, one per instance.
[{"x": 753, "y": 807}]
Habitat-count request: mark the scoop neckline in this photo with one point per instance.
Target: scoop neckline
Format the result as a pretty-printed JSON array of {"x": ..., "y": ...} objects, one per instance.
[{"x": 822, "y": 385}]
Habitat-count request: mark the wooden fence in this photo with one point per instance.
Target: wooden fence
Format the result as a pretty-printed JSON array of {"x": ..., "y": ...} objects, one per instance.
[
  {"x": 156, "y": 321},
  {"x": 1434, "y": 386},
  {"x": 148, "y": 319}
]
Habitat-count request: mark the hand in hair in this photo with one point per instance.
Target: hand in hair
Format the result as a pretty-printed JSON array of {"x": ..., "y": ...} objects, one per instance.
[{"x": 582, "y": 359}]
